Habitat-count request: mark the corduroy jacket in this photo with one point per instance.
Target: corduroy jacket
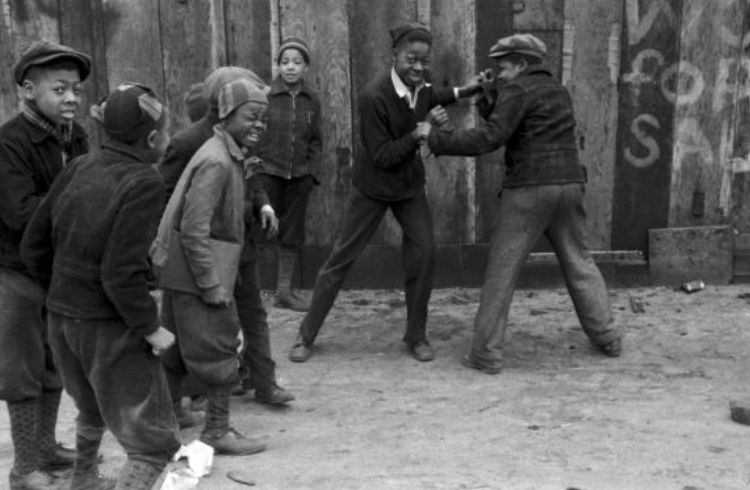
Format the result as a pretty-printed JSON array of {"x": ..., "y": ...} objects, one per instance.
[{"x": 532, "y": 116}]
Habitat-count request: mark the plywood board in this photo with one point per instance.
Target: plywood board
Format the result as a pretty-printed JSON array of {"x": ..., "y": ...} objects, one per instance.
[{"x": 248, "y": 35}]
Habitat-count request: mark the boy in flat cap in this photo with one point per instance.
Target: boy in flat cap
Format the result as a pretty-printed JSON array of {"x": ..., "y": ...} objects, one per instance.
[
  {"x": 291, "y": 149},
  {"x": 87, "y": 244},
  {"x": 34, "y": 147},
  {"x": 389, "y": 174},
  {"x": 532, "y": 116},
  {"x": 256, "y": 360},
  {"x": 196, "y": 255}
]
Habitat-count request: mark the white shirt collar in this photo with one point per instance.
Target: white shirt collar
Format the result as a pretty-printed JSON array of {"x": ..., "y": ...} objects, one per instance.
[{"x": 402, "y": 90}]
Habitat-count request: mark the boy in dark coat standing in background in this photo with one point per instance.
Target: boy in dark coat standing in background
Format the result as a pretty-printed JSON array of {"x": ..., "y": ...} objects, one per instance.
[
  {"x": 34, "y": 147},
  {"x": 532, "y": 115},
  {"x": 88, "y": 245}
]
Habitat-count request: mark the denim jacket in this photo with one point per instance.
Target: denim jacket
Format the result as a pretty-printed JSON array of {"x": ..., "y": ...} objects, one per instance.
[
  {"x": 208, "y": 203},
  {"x": 88, "y": 241}
]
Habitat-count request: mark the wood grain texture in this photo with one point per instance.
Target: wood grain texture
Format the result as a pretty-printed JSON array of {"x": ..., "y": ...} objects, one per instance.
[
  {"x": 8, "y": 90},
  {"x": 539, "y": 15},
  {"x": 451, "y": 180},
  {"x": 134, "y": 44},
  {"x": 370, "y": 23},
  {"x": 704, "y": 118},
  {"x": 189, "y": 33},
  {"x": 593, "y": 88},
  {"x": 740, "y": 169},
  {"x": 248, "y": 35},
  {"x": 324, "y": 25},
  {"x": 645, "y": 124}
]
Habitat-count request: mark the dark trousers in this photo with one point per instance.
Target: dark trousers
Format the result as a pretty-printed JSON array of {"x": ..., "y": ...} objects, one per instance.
[
  {"x": 525, "y": 214},
  {"x": 115, "y": 381},
  {"x": 289, "y": 198},
  {"x": 256, "y": 356},
  {"x": 363, "y": 216}
]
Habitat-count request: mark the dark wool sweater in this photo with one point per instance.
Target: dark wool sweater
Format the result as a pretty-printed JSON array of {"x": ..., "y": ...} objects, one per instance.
[{"x": 389, "y": 167}]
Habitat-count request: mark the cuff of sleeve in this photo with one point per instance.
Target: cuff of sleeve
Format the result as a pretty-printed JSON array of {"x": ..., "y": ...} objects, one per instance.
[
  {"x": 456, "y": 93},
  {"x": 149, "y": 329}
]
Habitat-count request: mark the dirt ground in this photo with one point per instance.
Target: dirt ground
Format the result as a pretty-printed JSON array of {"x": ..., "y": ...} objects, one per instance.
[{"x": 561, "y": 416}]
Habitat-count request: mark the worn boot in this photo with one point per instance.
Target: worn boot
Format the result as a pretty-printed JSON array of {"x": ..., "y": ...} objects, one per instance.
[
  {"x": 86, "y": 474},
  {"x": 25, "y": 474},
  {"x": 218, "y": 434},
  {"x": 52, "y": 455},
  {"x": 185, "y": 418},
  {"x": 285, "y": 295},
  {"x": 273, "y": 394},
  {"x": 139, "y": 475}
]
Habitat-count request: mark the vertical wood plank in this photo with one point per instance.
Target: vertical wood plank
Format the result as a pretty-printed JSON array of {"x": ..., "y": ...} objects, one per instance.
[
  {"x": 740, "y": 163},
  {"x": 134, "y": 45},
  {"x": 189, "y": 39},
  {"x": 8, "y": 91},
  {"x": 494, "y": 20},
  {"x": 370, "y": 23},
  {"x": 324, "y": 25},
  {"x": 593, "y": 87},
  {"x": 248, "y": 35},
  {"x": 451, "y": 180},
  {"x": 650, "y": 45}
]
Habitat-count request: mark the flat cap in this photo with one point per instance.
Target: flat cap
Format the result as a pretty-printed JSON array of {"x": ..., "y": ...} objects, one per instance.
[
  {"x": 221, "y": 76},
  {"x": 521, "y": 44},
  {"x": 399, "y": 32},
  {"x": 294, "y": 43},
  {"x": 236, "y": 93},
  {"x": 43, "y": 52}
]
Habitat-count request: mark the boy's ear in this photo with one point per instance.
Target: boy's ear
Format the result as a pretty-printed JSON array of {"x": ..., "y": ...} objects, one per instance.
[
  {"x": 28, "y": 89},
  {"x": 151, "y": 139}
]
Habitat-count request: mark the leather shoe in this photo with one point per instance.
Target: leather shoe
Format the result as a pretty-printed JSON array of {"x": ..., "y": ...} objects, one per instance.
[
  {"x": 421, "y": 351},
  {"x": 275, "y": 395},
  {"x": 58, "y": 459},
  {"x": 92, "y": 480},
  {"x": 300, "y": 352},
  {"x": 613, "y": 348},
  {"x": 285, "y": 298},
  {"x": 235, "y": 444},
  {"x": 471, "y": 363}
]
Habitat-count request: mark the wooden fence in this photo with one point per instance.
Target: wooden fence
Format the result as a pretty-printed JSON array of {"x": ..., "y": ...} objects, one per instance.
[{"x": 660, "y": 87}]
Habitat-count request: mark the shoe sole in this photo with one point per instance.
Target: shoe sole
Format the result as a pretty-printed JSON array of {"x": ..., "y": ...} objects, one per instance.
[{"x": 470, "y": 364}]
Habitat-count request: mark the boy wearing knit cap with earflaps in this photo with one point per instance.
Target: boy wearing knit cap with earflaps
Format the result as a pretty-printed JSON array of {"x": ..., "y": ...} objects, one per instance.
[
  {"x": 291, "y": 150},
  {"x": 389, "y": 174},
  {"x": 531, "y": 114},
  {"x": 196, "y": 255},
  {"x": 87, "y": 244},
  {"x": 35, "y": 145}
]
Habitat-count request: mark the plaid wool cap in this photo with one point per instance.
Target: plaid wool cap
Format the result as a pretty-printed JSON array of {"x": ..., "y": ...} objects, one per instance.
[
  {"x": 236, "y": 93},
  {"x": 521, "y": 44},
  {"x": 129, "y": 112},
  {"x": 44, "y": 52},
  {"x": 294, "y": 43},
  {"x": 222, "y": 76},
  {"x": 399, "y": 32}
]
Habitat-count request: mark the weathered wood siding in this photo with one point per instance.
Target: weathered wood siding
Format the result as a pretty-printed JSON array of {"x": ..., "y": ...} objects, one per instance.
[{"x": 661, "y": 90}]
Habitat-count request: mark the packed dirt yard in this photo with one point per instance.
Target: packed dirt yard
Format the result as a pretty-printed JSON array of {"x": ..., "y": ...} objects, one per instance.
[{"x": 561, "y": 416}]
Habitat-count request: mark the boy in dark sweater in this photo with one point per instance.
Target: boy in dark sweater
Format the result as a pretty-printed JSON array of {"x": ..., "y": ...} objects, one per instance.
[
  {"x": 389, "y": 174},
  {"x": 532, "y": 116},
  {"x": 87, "y": 244},
  {"x": 34, "y": 147},
  {"x": 290, "y": 149}
]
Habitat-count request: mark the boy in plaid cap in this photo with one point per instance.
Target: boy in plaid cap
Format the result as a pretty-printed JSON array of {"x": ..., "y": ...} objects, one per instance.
[
  {"x": 531, "y": 114},
  {"x": 290, "y": 149},
  {"x": 87, "y": 244},
  {"x": 389, "y": 174},
  {"x": 208, "y": 207},
  {"x": 34, "y": 147}
]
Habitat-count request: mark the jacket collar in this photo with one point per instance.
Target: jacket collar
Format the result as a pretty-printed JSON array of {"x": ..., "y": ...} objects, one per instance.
[
  {"x": 403, "y": 91},
  {"x": 536, "y": 70},
  {"x": 279, "y": 87},
  {"x": 235, "y": 151},
  {"x": 38, "y": 134},
  {"x": 123, "y": 148}
]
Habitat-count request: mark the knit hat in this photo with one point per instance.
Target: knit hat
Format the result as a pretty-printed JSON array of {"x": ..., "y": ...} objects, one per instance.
[
  {"x": 195, "y": 102},
  {"x": 293, "y": 43},
  {"x": 44, "y": 52},
  {"x": 129, "y": 112},
  {"x": 521, "y": 44},
  {"x": 221, "y": 76},
  {"x": 399, "y": 32},
  {"x": 236, "y": 93}
]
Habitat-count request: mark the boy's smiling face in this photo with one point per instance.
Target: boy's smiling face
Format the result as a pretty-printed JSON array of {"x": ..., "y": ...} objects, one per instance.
[
  {"x": 411, "y": 60},
  {"x": 292, "y": 66},
  {"x": 56, "y": 92}
]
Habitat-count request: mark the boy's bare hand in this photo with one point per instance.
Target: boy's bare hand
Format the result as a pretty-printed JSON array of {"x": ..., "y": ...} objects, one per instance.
[
  {"x": 160, "y": 341},
  {"x": 217, "y": 296},
  {"x": 422, "y": 131},
  {"x": 269, "y": 221},
  {"x": 437, "y": 116}
]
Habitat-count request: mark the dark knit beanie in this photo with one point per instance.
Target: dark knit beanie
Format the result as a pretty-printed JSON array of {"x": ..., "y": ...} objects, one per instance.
[
  {"x": 399, "y": 32},
  {"x": 130, "y": 112},
  {"x": 294, "y": 43}
]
